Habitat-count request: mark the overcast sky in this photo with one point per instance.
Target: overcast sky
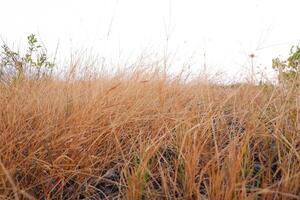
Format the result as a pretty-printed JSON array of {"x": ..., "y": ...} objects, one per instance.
[{"x": 227, "y": 30}]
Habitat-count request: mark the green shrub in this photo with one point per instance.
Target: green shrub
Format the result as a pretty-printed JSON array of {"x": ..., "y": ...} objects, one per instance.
[
  {"x": 34, "y": 64},
  {"x": 288, "y": 69}
]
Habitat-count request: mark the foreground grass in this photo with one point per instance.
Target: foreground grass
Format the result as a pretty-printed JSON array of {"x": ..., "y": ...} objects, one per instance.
[{"x": 142, "y": 136}]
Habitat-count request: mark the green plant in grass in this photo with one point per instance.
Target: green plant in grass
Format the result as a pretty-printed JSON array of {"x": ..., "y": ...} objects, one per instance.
[
  {"x": 35, "y": 63},
  {"x": 288, "y": 69}
]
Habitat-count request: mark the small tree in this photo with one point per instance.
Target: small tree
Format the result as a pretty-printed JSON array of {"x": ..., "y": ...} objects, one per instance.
[
  {"x": 35, "y": 63},
  {"x": 288, "y": 69}
]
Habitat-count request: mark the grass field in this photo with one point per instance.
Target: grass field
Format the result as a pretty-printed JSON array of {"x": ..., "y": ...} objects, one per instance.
[{"x": 144, "y": 135}]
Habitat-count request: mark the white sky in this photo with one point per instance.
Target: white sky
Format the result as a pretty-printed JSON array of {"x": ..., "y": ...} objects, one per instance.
[{"x": 227, "y": 30}]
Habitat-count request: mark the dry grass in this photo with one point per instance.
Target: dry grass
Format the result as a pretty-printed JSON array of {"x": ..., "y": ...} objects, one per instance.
[{"x": 142, "y": 136}]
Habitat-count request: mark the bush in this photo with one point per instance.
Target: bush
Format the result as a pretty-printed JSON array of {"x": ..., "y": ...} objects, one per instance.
[
  {"x": 288, "y": 69},
  {"x": 34, "y": 64}
]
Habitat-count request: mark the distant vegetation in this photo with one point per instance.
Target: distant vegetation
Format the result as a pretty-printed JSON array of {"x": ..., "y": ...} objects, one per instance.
[
  {"x": 35, "y": 63},
  {"x": 141, "y": 134}
]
